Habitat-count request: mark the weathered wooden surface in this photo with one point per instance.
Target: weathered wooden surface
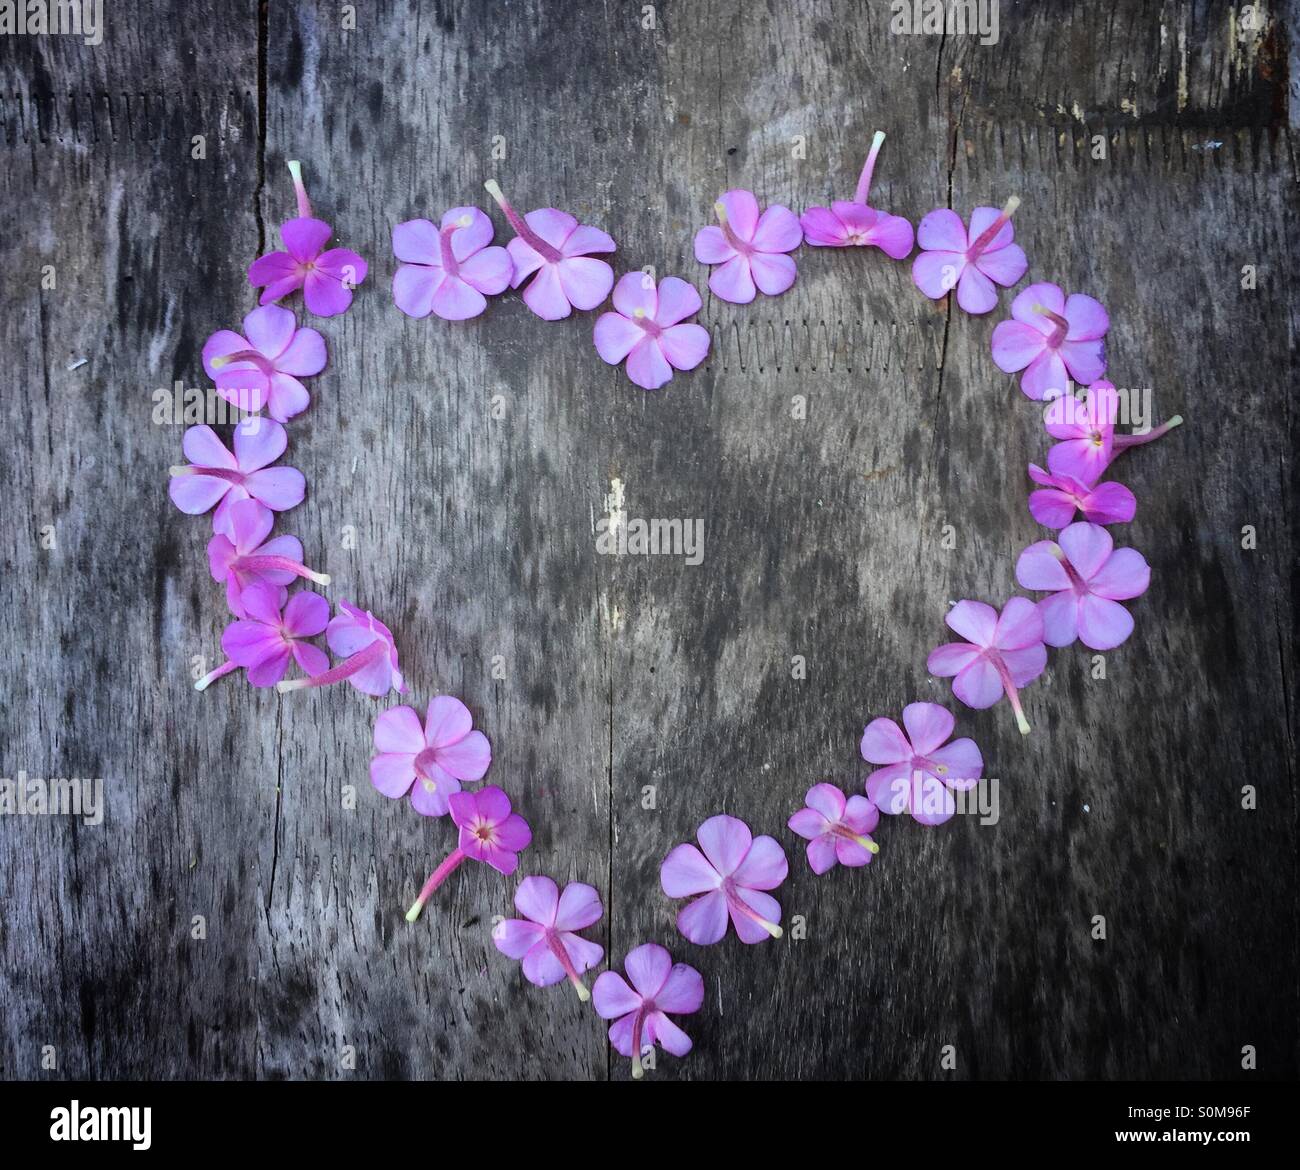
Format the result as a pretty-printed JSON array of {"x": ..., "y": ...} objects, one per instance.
[{"x": 475, "y": 540}]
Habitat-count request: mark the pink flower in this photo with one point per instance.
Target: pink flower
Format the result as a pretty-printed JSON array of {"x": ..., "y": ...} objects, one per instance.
[
  {"x": 263, "y": 641},
  {"x": 748, "y": 248},
  {"x": 646, "y": 331},
  {"x": 545, "y": 937},
  {"x": 1052, "y": 339},
  {"x": 640, "y": 1012},
  {"x": 369, "y": 651},
  {"x": 856, "y": 224},
  {"x": 1001, "y": 653},
  {"x": 974, "y": 262},
  {"x": 449, "y": 271},
  {"x": 1086, "y": 428},
  {"x": 246, "y": 556},
  {"x": 489, "y": 832},
  {"x": 1055, "y": 503},
  {"x": 555, "y": 250},
  {"x": 428, "y": 761},
  {"x": 1088, "y": 577},
  {"x": 215, "y": 476},
  {"x": 326, "y": 278},
  {"x": 263, "y": 368},
  {"x": 836, "y": 829},
  {"x": 921, "y": 769},
  {"x": 731, "y": 873}
]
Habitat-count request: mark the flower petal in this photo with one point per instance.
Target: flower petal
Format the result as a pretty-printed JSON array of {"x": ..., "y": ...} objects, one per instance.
[
  {"x": 808, "y": 823},
  {"x": 1039, "y": 566},
  {"x": 677, "y": 300},
  {"x": 545, "y": 295},
  {"x": 827, "y": 800},
  {"x": 612, "y": 997},
  {"x": 946, "y": 660},
  {"x": 615, "y": 336},
  {"x": 777, "y": 231},
  {"x": 820, "y": 852},
  {"x": 936, "y": 274},
  {"x": 764, "y": 905},
  {"x": 685, "y": 871},
  {"x": 489, "y": 271},
  {"x": 1019, "y": 625},
  {"x": 586, "y": 282},
  {"x": 447, "y": 721},
  {"x": 732, "y": 281},
  {"x": 978, "y": 685},
  {"x": 514, "y": 937},
  {"x": 773, "y": 273},
  {"x": 684, "y": 346},
  {"x": 398, "y": 730},
  {"x": 928, "y": 725},
  {"x": 1015, "y": 345},
  {"x": 579, "y": 907},
  {"x": 456, "y": 299},
  {"x": 537, "y": 899},
  {"x": 943, "y": 231},
  {"x": 466, "y": 759},
  {"x": 682, "y": 992},
  {"x": 883, "y": 742},
  {"x": 417, "y": 242},
  {"x": 742, "y": 212},
  {"x": 270, "y": 329},
  {"x": 1125, "y": 575},
  {"x": 667, "y": 1034},
  {"x": 764, "y": 867},
  {"x": 712, "y": 246},
  {"x": 725, "y": 841},
  {"x": 413, "y": 289},
  {"x": 973, "y": 620},
  {"x": 704, "y": 921},
  {"x": 1060, "y": 614},
  {"x": 1088, "y": 546},
  {"x": 393, "y": 773},
  {"x": 647, "y": 968},
  {"x": 1103, "y": 624}
]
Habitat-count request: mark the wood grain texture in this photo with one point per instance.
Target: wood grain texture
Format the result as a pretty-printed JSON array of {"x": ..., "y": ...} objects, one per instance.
[{"x": 474, "y": 539}]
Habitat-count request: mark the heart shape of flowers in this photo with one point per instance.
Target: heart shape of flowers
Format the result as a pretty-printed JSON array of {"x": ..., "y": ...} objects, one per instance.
[{"x": 727, "y": 876}]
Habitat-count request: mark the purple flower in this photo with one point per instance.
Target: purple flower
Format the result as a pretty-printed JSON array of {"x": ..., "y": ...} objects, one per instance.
[
  {"x": 972, "y": 263},
  {"x": 646, "y": 331},
  {"x": 857, "y": 224},
  {"x": 263, "y": 368},
  {"x": 555, "y": 250},
  {"x": 545, "y": 937},
  {"x": 1001, "y": 653},
  {"x": 428, "y": 761},
  {"x": 263, "y": 642},
  {"x": 449, "y": 271},
  {"x": 1086, "y": 430},
  {"x": 733, "y": 870},
  {"x": 246, "y": 556},
  {"x": 1088, "y": 577},
  {"x": 326, "y": 278},
  {"x": 489, "y": 832},
  {"x": 836, "y": 829},
  {"x": 1055, "y": 503},
  {"x": 640, "y": 1012},
  {"x": 748, "y": 248},
  {"x": 921, "y": 769},
  {"x": 1052, "y": 339},
  {"x": 215, "y": 476},
  {"x": 369, "y": 652}
]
